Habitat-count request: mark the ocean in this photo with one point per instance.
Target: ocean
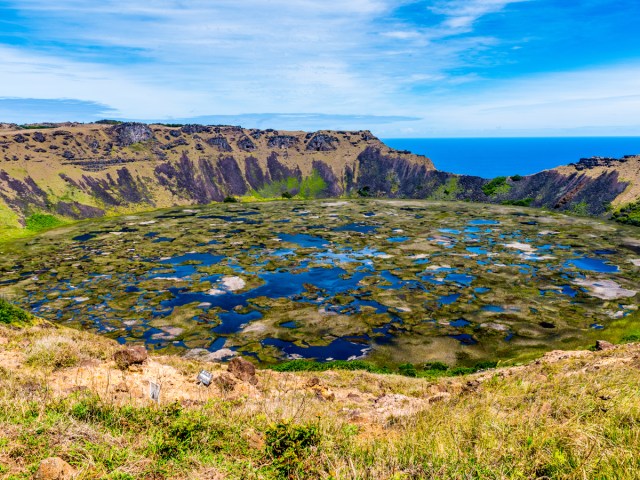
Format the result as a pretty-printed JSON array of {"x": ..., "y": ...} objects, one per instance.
[{"x": 493, "y": 157}]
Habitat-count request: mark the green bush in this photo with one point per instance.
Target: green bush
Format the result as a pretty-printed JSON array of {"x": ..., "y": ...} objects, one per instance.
[
  {"x": 524, "y": 202},
  {"x": 364, "y": 191},
  {"x": 288, "y": 445},
  {"x": 12, "y": 315},
  {"x": 408, "y": 370},
  {"x": 628, "y": 214},
  {"x": 516, "y": 178},
  {"x": 230, "y": 200},
  {"x": 436, "y": 366}
]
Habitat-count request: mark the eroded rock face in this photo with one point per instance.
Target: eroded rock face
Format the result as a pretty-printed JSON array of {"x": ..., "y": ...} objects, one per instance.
[
  {"x": 220, "y": 143},
  {"x": 322, "y": 143},
  {"x": 191, "y": 129},
  {"x": 129, "y": 133},
  {"x": 130, "y": 356},
  {"x": 243, "y": 370},
  {"x": 246, "y": 144},
  {"x": 282, "y": 141},
  {"x": 54, "y": 468}
]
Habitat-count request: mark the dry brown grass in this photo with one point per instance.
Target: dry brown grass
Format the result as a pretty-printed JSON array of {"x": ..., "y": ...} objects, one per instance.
[{"x": 567, "y": 415}]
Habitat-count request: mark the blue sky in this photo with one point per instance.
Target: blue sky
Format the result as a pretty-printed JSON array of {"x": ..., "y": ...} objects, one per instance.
[{"x": 400, "y": 68}]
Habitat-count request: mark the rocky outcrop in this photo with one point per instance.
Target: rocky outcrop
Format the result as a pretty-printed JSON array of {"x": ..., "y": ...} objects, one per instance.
[
  {"x": 322, "y": 143},
  {"x": 127, "y": 134},
  {"x": 593, "y": 162}
]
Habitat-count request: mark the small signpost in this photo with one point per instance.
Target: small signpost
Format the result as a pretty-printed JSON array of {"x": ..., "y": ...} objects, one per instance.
[
  {"x": 205, "y": 378},
  {"x": 154, "y": 391}
]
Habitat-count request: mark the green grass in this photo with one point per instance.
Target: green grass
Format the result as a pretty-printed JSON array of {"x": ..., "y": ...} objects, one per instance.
[
  {"x": 39, "y": 222},
  {"x": 308, "y": 188},
  {"x": 427, "y": 370},
  {"x": 581, "y": 209},
  {"x": 497, "y": 186},
  {"x": 446, "y": 191}
]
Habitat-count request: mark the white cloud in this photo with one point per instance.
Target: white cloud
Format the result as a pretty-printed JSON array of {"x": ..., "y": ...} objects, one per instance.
[
  {"x": 171, "y": 58},
  {"x": 461, "y": 14}
]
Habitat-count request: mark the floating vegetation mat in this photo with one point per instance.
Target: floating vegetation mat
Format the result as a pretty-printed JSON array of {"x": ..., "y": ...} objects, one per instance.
[{"x": 392, "y": 281}]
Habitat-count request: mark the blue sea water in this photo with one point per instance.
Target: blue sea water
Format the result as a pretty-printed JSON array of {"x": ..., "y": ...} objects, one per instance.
[{"x": 492, "y": 157}]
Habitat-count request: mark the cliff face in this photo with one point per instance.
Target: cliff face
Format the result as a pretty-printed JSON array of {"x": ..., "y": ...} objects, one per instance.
[
  {"x": 83, "y": 171},
  {"x": 578, "y": 188}
]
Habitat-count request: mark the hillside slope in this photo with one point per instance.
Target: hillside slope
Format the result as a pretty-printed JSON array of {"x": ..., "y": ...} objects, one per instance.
[
  {"x": 566, "y": 415},
  {"x": 75, "y": 171}
]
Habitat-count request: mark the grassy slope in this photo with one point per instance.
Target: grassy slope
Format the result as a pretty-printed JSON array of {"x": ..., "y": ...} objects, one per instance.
[{"x": 567, "y": 415}]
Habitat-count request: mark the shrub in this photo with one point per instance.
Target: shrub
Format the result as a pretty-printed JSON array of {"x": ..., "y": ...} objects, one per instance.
[
  {"x": 230, "y": 200},
  {"x": 524, "y": 202},
  {"x": 10, "y": 314},
  {"x": 364, "y": 191},
  {"x": 408, "y": 370},
  {"x": 516, "y": 178},
  {"x": 287, "y": 195},
  {"x": 436, "y": 366},
  {"x": 288, "y": 445},
  {"x": 629, "y": 214}
]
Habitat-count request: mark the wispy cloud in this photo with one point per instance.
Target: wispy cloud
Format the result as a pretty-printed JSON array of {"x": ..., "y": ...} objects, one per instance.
[
  {"x": 364, "y": 59},
  {"x": 462, "y": 14}
]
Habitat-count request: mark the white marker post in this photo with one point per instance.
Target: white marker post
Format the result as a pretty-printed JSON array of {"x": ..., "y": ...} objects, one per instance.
[{"x": 154, "y": 392}]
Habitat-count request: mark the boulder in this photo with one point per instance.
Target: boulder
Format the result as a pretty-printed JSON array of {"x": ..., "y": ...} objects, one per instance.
[
  {"x": 54, "y": 468},
  {"x": 243, "y": 370},
  {"x": 603, "y": 345},
  {"x": 130, "y": 356}
]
